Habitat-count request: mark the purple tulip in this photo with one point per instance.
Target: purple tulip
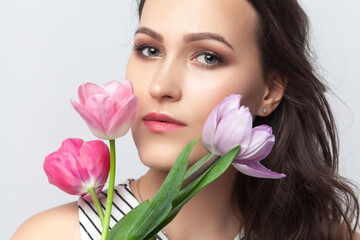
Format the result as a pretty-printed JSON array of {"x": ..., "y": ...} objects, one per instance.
[{"x": 230, "y": 125}]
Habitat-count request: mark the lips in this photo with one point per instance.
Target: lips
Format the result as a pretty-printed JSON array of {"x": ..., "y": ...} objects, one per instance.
[{"x": 161, "y": 123}]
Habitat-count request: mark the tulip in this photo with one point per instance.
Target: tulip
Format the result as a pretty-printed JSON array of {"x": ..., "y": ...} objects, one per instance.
[
  {"x": 230, "y": 125},
  {"x": 109, "y": 111},
  {"x": 78, "y": 166}
]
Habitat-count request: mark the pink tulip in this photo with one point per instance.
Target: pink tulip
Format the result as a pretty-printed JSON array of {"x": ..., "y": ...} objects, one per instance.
[
  {"x": 77, "y": 166},
  {"x": 109, "y": 111},
  {"x": 230, "y": 125}
]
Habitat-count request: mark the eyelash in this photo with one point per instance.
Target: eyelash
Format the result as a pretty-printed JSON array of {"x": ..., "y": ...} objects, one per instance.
[
  {"x": 140, "y": 48},
  {"x": 220, "y": 60}
]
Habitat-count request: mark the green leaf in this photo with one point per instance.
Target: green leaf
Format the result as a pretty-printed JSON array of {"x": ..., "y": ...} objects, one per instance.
[
  {"x": 119, "y": 231},
  {"x": 173, "y": 213},
  {"x": 161, "y": 205},
  {"x": 209, "y": 176}
]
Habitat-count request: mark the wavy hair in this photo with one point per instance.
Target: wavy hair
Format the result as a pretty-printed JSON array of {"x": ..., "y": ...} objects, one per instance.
[{"x": 313, "y": 201}]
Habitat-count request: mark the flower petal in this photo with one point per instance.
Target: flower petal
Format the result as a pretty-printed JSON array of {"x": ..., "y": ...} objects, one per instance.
[
  {"x": 122, "y": 120},
  {"x": 228, "y": 104},
  {"x": 260, "y": 144},
  {"x": 87, "y": 90},
  {"x": 72, "y": 146},
  {"x": 120, "y": 92},
  {"x": 208, "y": 132},
  {"x": 95, "y": 160},
  {"x": 93, "y": 123},
  {"x": 256, "y": 169},
  {"x": 234, "y": 129},
  {"x": 62, "y": 172},
  {"x": 103, "y": 107}
]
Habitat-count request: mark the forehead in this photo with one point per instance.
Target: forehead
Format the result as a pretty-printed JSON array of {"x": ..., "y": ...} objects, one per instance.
[{"x": 233, "y": 19}]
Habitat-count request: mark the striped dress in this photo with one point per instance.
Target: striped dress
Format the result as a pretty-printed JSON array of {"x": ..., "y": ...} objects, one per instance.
[{"x": 123, "y": 201}]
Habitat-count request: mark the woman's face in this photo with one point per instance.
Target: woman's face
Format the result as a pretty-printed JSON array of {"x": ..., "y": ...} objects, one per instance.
[{"x": 189, "y": 55}]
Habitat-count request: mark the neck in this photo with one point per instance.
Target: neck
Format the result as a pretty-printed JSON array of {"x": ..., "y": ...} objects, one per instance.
[{"x": 210, "y": 214}]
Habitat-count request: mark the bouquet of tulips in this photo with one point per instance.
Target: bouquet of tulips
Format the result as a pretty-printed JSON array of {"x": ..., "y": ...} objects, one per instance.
[{"x": 82, "y": 168}]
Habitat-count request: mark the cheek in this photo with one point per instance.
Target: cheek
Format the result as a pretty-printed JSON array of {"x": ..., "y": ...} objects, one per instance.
[
  {"x": 138, "y": 80},
  {"x": 250, "y": 84},
  {"x": 214, "y": 87},
  {"x": 134, "y": 75},
  {"x": 253, "y": 97}
]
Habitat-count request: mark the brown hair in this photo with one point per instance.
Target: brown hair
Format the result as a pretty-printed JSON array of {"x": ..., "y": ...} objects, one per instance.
[{"x": 313, "y": 201}]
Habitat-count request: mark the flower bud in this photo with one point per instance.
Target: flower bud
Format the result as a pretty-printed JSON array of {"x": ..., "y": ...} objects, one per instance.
[
  {"x": 77, "y": 166},
  {"x": 230, "y": 125},
  {"x": 109, "y": 111}
]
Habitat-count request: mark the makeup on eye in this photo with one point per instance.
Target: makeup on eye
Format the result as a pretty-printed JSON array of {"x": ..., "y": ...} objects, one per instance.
[
  {"x": 206, "y": 58},
  {"x": 147, "y": 51}
]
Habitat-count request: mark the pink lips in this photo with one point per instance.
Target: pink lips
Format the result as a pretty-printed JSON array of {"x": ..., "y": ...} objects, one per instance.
[{"x": 161, "y": 123}]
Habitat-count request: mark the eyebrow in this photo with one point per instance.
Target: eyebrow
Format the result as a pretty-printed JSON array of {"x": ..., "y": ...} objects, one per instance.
[
  {"x": 206, "y": 35},
  {"x": 151, "y": 33},
  {"x": 191, "y": 37}
]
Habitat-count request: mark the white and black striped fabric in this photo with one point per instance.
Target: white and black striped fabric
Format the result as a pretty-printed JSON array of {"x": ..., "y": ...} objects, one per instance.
[{"x": 123, "y": 202}]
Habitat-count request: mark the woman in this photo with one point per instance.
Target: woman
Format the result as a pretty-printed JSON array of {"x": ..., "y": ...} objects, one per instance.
[{"x": 190, "y": 54}]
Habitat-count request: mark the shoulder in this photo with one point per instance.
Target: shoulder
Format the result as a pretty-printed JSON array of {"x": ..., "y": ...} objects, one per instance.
[
  {"x": 356, "y": 236},
  {"x": 57, "y": 223}
]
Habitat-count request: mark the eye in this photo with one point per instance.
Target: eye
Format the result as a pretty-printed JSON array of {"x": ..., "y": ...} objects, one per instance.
[
  {"x": 150, "y": 52},
  {"x": 147, "y": 51},
  {"x": 208, "y": 59}
]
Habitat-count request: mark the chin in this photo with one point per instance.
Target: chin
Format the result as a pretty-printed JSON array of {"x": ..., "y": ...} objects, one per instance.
[
  {"x": 158, "y": 158},
  {"x": 162, "y": 157}
]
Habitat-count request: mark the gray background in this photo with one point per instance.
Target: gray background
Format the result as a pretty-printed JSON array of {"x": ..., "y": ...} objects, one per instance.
[{"x": 49, "y": 48}]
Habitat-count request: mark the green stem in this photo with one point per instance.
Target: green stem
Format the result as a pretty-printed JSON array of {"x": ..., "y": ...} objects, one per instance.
[
  {"x": 109, "y": 199},
  {"x": 200, "y": 171},
  {"x": 97, "y": 205}
]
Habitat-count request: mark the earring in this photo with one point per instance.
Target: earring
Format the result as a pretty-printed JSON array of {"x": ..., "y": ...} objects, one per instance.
[{"x": 264, "y": 110}]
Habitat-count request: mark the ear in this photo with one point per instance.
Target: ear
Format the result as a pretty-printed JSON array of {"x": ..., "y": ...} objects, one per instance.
[{"x": 274, "y": 91}]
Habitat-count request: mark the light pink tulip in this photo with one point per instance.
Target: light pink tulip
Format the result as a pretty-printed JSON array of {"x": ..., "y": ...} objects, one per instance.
[
  {"x": 109, "y": 111},
  {"x": 230, "y": 125},
  {"x": 77, "y": 165}
]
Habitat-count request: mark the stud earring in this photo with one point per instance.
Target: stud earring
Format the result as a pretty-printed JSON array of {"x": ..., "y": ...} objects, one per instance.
[{"x": 264, "y": 110}]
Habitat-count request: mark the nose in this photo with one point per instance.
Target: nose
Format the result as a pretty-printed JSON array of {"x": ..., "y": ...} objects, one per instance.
[{"x": 166, "y": 83}]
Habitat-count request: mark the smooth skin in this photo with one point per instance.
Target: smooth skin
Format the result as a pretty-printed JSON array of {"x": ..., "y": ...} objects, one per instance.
[
  {"x": 183, "y": 67},
  {"x": 58, "y": 223}
]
